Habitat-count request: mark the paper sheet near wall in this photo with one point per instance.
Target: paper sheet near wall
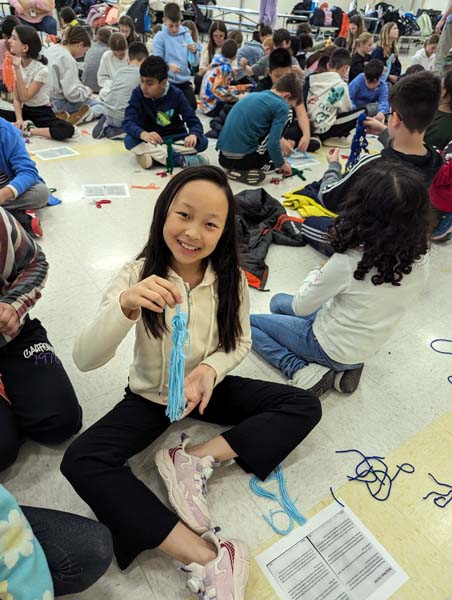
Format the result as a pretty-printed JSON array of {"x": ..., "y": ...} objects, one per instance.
[{"x": 332, "y": 557}]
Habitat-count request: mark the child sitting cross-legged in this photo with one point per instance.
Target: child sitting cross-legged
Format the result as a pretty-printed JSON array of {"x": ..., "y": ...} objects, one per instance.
[
  {"x": 346, "y": 309},
  {"x": 369, "y": 90},
  {"x": 32, "y": 112},
  {"x": 297, "y": 133},
  {"x": 250, "y": 141},
  {"x": 328, "y": 102},
  {"x": 413, "y": 100},
  {"x": 215, "y": 92},
  {"x": 117, "y": 98},
  {"x": 159, "y": 113}
]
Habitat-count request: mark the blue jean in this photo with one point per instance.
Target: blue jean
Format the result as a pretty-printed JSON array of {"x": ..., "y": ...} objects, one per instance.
[
  {"x": 287, "y": 341},
  {"x": 63, "y": 105},
  {"x": 202, "y": 143},
  {"x": 47, "y": 25}
]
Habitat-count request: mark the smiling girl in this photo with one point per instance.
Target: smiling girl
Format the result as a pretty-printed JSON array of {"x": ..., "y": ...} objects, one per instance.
[{"x": 190, "y": 259}]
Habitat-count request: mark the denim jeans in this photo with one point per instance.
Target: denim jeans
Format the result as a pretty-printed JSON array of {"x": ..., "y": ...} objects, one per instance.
[
  {"x": 47, "y": 24},
  {"x": 63, "y": 105},
  {"x": 287, "y": 341},
  {"x": 78, "y": 550}
]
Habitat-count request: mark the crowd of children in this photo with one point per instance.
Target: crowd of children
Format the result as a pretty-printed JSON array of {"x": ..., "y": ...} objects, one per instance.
[{"x": 266, "y": 98}]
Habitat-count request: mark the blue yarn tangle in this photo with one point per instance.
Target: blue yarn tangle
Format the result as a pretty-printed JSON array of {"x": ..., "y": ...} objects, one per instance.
[
  {"x": 433, "y": 342},
  {"x": 442, "y": 498},
  {"x": 176, "y": 392},
  {"x": 334, "y": 497},
  {"x": 359, "y": 143},
  {"x": 287, "y": 507},
  {"x": 374, "y": 473}
]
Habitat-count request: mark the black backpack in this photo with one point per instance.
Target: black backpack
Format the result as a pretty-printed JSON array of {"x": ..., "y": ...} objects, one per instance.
[
  {"x": 138, "y": 11},
  {"x": 301, "y": 7},
  {"x": 202, "y": 21},
  {"x": 336, "y": 15},
  {"x": 318, "y": 18}
]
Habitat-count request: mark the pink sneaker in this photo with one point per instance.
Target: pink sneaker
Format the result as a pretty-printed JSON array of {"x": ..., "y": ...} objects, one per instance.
[
  {"x": 225, "y": 577},
  {"x": 185, "y": 477}
]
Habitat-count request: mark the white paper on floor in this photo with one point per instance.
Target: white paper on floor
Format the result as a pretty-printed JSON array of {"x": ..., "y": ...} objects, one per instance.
[
  {"x": 53, "y": 153},
  {"x": 332, "y": 556},
  {"x": 105, "y": 190},
  {"x": 302, "y": 159}
]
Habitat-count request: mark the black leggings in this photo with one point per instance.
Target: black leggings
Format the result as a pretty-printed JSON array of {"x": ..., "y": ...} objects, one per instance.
[
  {"x": 187, "y": 89},
  {"x": 42, "y": 403},
  {"x": 42, "y": 116},
  {"x": 268, "y": 421},
  {"x": 78, "y": 550}
]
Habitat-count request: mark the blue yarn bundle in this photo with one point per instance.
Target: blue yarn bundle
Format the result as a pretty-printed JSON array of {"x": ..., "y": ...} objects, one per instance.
[
  {"x": 287, "y": 506},
  {"x": 176, "y": 393},
  {"x": 359, "y": 143}
]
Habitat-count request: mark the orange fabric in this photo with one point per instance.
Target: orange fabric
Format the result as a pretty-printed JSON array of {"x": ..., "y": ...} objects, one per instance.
[
  {"x": 3, "y": 391},
  {"x": 8, "y": 72},
  {"x": 343, "y": 31}
]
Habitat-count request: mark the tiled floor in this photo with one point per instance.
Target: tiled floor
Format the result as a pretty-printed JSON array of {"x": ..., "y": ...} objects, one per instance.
[{"x": 404, "y": 387}]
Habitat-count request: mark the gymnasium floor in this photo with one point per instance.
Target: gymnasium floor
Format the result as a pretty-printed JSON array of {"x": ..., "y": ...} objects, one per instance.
[{"x": 404, "y": 387}]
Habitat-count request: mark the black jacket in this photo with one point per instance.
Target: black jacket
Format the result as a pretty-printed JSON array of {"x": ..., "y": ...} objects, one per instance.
[
  {"x": 261, "y": 221},
  {"x": 427, "y": 166}
]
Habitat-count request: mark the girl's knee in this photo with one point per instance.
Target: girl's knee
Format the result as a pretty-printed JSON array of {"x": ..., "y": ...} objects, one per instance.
[
  {"x": 277, "y": 302},
  {"x": 57, "y": 427}
]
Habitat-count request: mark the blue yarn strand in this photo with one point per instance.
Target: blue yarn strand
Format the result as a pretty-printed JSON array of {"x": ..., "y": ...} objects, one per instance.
[
  {"x": 176, "y": 392},
  {"x": 359, "y": 143},
  {"x": 283, "y": 499},
  {"x": 442, "y": 498},
  {"x": 432, "y": 346},
  {"x": 374, "y": 473}
]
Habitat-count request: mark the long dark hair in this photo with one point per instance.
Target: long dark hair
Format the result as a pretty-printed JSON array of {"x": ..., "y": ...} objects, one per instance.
[
  {"x": 216, "y": 26},
  {"x": 387, "y": 216},
  {"x": 224, "y": 259},
  {"x": 128, "y": 22},
  {"x": 29, "y": 36}
]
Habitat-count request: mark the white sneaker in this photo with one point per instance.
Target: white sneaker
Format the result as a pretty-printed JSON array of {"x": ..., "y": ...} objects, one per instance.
[
  {"x": 185, "y": 477},
  {"x": 144, "y": 160},
  {"x": 225, "y": 577},
  {"x": 338, "y": 142}
]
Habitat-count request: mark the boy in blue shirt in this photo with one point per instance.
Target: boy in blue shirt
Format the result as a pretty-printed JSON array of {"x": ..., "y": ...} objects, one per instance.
[
  {"x": 249, "y": 142},
  {"x": 175, "y": 45},
  {"x": 157, "y": 113},
  {"x": 369, "y": 90}
]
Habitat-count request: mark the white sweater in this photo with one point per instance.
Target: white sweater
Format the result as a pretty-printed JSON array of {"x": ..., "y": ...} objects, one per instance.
[
  {"x": 148, "y": 374},
  {"x": 421, "y": 58},
  {"x": 109, "y": 66},
  {"x": 327, "y": 96},
  {"x": 355, "y": 317},
  {"x": 64, "y": 80}
]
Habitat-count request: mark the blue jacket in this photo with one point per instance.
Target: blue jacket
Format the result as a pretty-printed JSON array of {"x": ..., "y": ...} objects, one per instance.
[
  {"x": 360, "y": 95},
  {"x": 14, "y": 159},
  {"x": 252, "y": 51},
  {"x": 250, "y": 121},
  {"x": 170, "y": 115},
  {"x": 173, "y": 49}
]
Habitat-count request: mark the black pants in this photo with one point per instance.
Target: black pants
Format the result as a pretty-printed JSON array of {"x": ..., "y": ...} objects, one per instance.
[
  {"x": 269, "y": 420},
  {"x": 78, "y": 550},
  {"x": 256, "y": 160},
  {"x": 187, "y": 89},
  {"x": 294, "y": 133},
  {"x": 344, "y": 123},
  {"x": 198, "y": 82},
  {"x": 42, "y": 116},
  {"x": 42, "y": 403}
]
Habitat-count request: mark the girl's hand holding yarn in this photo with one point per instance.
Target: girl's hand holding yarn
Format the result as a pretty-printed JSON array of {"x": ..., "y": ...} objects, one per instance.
[
  {"x": 154, "y": 293},
  {"x": 199, "y": 385}
]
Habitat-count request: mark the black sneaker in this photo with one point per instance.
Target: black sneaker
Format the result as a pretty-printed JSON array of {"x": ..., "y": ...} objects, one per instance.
[
  {"x": 325, "y": 384},
  {"x": 314, "y": 144},
  {"x": 348, "y": 381},
  {"x": 98, "y": 130}
]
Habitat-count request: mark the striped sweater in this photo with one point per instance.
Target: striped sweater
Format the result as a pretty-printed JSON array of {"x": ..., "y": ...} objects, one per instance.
[{"x": 23, "y": 268}]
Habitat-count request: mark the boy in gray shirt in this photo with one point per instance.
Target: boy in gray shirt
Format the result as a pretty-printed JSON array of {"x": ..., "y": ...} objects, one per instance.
[{"x": 117, "y": 99}]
